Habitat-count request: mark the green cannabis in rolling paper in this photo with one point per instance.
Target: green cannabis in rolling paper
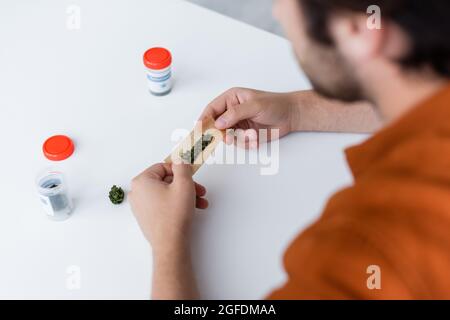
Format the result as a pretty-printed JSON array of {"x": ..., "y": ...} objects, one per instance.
[
  {"x": 116, "y": 195},
  {"x": 198, "y": 147}
]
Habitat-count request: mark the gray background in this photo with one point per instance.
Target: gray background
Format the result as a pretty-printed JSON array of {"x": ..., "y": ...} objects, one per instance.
[{"x": 255, "y": 12}]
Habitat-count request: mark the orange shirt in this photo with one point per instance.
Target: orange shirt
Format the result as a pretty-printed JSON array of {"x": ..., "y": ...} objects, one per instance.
[{"x": 396, "y": 217}]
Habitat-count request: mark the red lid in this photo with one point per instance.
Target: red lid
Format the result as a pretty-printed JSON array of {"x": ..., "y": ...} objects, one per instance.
[
  {"x": 157, "y": 58},
  {"x": 58, "y": 148}
]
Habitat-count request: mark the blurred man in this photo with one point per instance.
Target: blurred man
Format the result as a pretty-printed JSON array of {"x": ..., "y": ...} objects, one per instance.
[{"x": 386, "y": 236}]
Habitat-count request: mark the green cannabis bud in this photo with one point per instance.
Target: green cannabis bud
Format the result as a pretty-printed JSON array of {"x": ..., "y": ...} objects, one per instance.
[
  {"x": 198, "y": 147},
  {"x": 116, "y": 195}
]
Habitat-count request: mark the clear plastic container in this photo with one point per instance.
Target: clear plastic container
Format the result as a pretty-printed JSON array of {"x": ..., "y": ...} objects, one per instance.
[{"x": 54, "y": 195}]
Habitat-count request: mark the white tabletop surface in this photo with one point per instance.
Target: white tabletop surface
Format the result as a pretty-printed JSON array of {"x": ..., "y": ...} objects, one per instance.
[{"x": 90, "y": 84}]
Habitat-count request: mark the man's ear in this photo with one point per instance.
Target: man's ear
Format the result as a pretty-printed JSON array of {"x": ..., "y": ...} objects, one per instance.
[
  {"x": 360, "y": 42},
  {"x": 354, "y": 39}
]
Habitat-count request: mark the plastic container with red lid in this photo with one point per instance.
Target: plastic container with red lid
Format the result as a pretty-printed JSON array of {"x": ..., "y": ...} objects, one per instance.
[
  {"x": 51, "y": 184},
  {"x": 158, "y": 62}
]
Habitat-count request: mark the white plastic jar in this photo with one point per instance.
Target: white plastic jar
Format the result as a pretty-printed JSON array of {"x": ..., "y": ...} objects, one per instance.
[
  {"x": 158, "y": 62},
  {"x": 54, "y": 195}
]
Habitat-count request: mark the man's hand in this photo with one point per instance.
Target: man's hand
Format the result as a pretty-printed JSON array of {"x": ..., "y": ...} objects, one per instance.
[
  {"x": 251, "y": 110},
  {"x": 163, "y": 199}
]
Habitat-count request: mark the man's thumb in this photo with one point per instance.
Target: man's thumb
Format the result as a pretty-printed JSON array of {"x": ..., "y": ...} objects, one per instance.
[{"x": 182, "y": 172}]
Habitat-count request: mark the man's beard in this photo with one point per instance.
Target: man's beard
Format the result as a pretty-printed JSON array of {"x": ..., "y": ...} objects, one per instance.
[{"x": 330, "y": 75}]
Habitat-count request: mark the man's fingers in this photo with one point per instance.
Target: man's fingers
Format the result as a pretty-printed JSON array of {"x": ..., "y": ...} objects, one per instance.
[
  {"x": 220, "y": 104},
  {"x": 182, "y": 172},
  {"x": 237, "y": 113},
  {"x": 215, "y": 107},
  {"x": 200, "y": 190},
  {"x": 201, "y": 203},
  {"x": 247, "y": 139},
  {"x": 158, "y": 171}
]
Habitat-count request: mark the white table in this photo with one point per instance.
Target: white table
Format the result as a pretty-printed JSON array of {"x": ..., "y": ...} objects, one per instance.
[{"x": 90, "y": 85}]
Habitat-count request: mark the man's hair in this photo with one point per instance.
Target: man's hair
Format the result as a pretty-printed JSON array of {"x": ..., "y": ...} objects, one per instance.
[{"x": 426, "y": 23}]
